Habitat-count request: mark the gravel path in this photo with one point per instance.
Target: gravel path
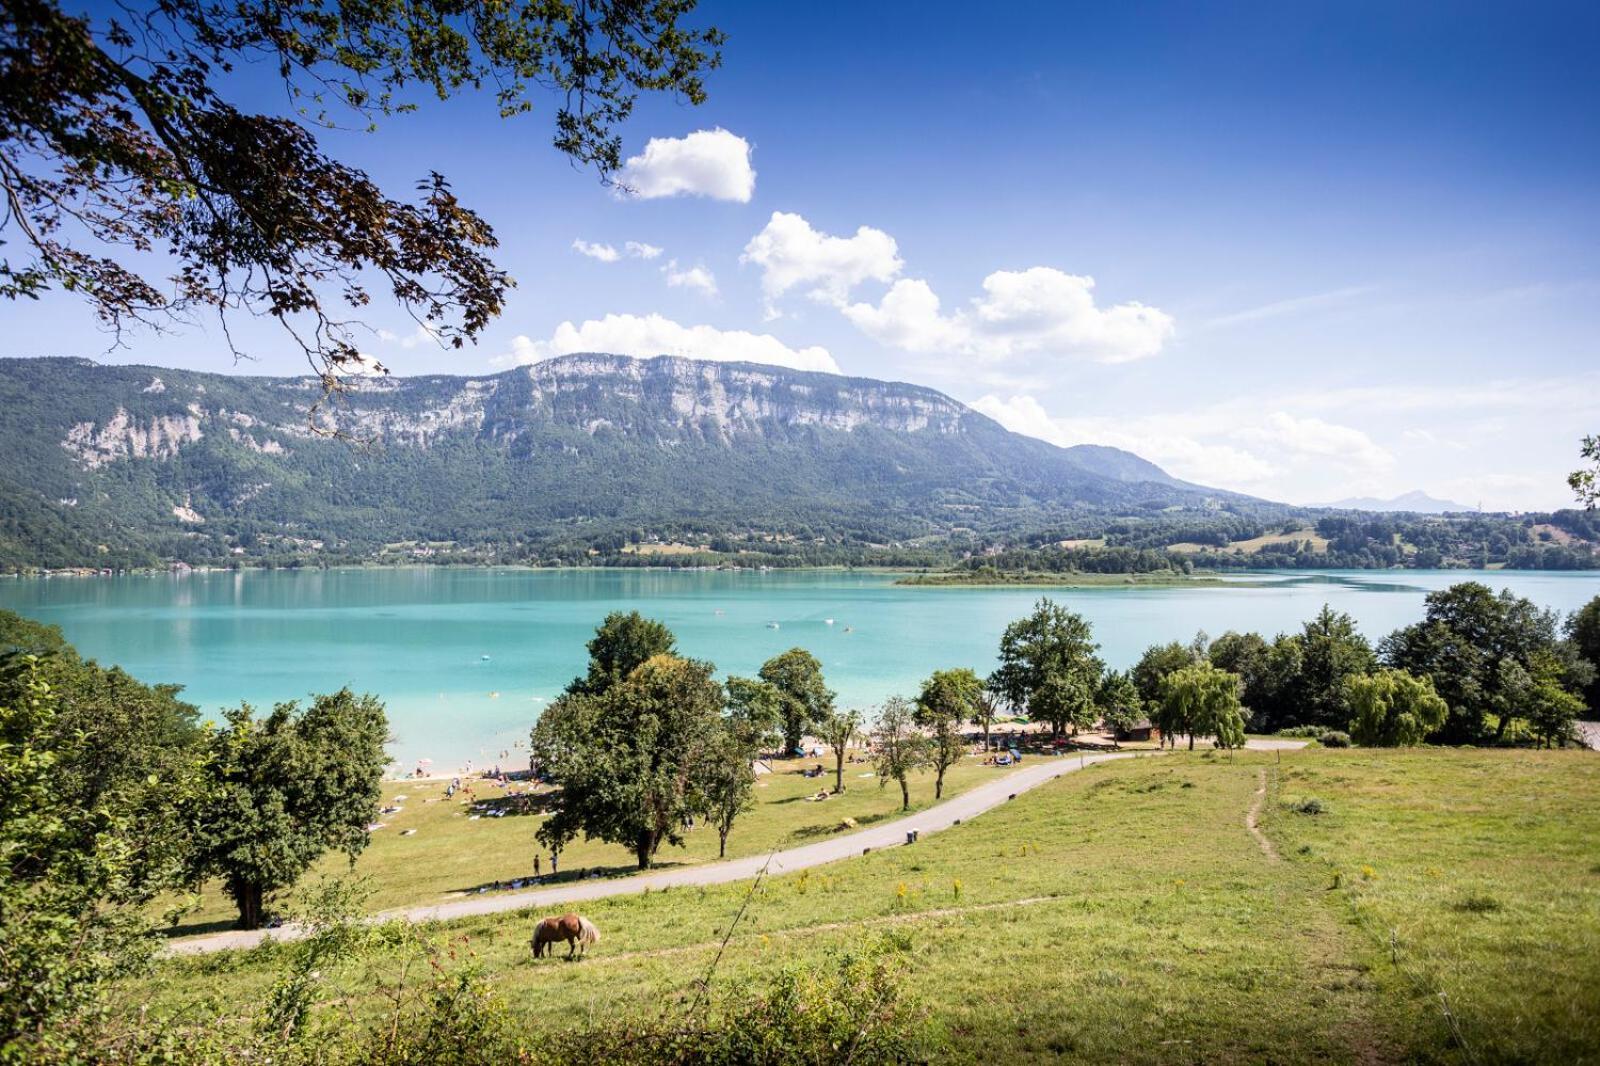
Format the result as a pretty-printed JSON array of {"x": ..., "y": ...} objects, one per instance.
[{"x": 969, "y": 804}]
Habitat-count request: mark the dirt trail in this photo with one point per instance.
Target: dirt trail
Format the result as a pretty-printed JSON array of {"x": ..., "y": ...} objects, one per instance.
[{"x": 1252, "y": 818}]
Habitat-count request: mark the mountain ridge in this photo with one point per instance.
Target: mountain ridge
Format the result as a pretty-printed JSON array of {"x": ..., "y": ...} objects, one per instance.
[{"x": 153, "y": 462}]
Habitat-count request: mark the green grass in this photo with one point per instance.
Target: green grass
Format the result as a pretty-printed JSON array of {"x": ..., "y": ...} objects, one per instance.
[
  {"x": 1126, "y": 914},
  {"x": 452, "y": 854}
]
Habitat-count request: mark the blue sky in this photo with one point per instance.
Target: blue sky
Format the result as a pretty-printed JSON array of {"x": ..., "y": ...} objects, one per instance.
[{"x": 1336, "y": 249}]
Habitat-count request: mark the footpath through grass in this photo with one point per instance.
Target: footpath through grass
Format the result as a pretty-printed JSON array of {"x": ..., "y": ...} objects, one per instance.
[{"x": 1127, "y": 913}]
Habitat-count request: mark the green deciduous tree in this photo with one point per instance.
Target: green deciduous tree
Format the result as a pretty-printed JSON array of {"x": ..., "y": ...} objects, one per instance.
[
  {"x": 1466, "y": 635},
  {"x": 75, "y": 880},
  {"x": 1585, "y": 480},
  {"x": 726, "y": 782},
  {"x": 1583, "y": 632},
  {"x": 1391, "y": 708},
  {"x": 1201, "y": 700},
  {"x": 899, "y": 748},
  {"x": 286, "y": 788},
  {"x": 630, "y": 763},
  {"x": 755, "y": 712},
  {"x": 1152, "y": 669},
  {"x": 1048, "y": 659},
  {"x": 948, "y": 699},
  {"x": 1118, "y": 702},
  {"x": 797, "y": 675},
  {"x": 119, "y": 135},
  {"x": 839, "y": 730},
  {"x": 624, "y": 641}
]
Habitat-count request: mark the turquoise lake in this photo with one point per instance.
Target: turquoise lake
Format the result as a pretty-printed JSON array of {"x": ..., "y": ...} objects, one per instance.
[{"x": 465, "y": 658}]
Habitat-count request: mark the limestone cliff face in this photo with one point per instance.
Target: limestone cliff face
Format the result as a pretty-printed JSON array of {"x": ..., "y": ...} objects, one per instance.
[{"x": 729, "y": 400}]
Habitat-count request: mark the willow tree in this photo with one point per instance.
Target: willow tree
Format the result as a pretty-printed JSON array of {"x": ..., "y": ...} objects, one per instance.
[
  {"x": 1393, "y": 709},
  {"x": 1201, "y": 700},
  {"x": 136, "y": 179}
]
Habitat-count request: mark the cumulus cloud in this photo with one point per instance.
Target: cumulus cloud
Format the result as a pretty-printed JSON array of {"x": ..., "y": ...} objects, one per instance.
[
  {"x": 697, "y": 277},
  {"x": 791, "y": 254},
  {"x": 1237, "y": 447},
  {"x": 603, "y": 252},
  {"x": 712, "y": 163},
  {"x": 1019, "y": 312},
  {"x": 651, "y": 335},
  {"x": 640, "y": 250},
  {"x": 423, "y": 334}
]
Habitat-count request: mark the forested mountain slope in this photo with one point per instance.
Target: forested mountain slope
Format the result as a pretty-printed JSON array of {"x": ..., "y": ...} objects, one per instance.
[{"x": 127, "y": 465}]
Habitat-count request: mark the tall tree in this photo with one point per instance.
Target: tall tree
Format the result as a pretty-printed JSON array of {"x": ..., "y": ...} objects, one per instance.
[
  {"x": 755, "y": 712},
  {"x": 284, "y": 789},
  {"x": 1583, "y": 631},
  {"x": 797, "y": 675},
  {"x": 839, "y": 730},
  {"x": 984, "y": 710},
  {"x": 1152, "y": 669},
  {"x": 119, "y": 135},
  {"x": 899, "y": 747},
  {"x": 1331, "y": 650},
  {"x": 1466, "y": 634},
  {"x": 1118, "y": 702},
  {"x": 623, "y": 643},
  {"x": 1044, "y": 658},
  {"x": 629, "y": 763},
  {"x": 726, "y": 782},
  {"x": 76, "y": 880},
  {"x": 947, "y": 700},
  {"x": 1393, "y": 709},
  {"x": 1201, "y": 700}
]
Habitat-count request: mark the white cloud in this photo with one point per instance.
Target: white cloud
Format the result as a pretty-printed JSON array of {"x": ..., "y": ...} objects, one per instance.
[
  {"x": 792, "y": 254},
  {"x": 712, "y": 163},
  {"x": 697, "y": 277},
  {"x": 1022, "y": 414},
  {"x": 1020, "y": 312},
  {"x": 608, "y": 253},
  {"x": 1291, "y": 306},
  {"x": 1344, "y": 445},
  {"x": 423, "y": 334},
  {"x": 651, "y": 335},
  {"x": 603, "y": 252}
]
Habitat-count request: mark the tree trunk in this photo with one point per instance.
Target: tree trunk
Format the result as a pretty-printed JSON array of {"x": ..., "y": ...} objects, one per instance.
[
  {"x": 938, "y": 784},
  {"x": 1191, "y": 741},
  {"x": 838, "y": 770},
  {"x": 905, "y": 795},
  {"x": 249, "y": 899},
  {"x": 722, "y": 844},
  {"x": 644, "y": 848},
  {"x": 986, "y": 736}
]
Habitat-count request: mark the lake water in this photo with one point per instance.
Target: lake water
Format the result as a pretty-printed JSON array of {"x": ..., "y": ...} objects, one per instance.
[{"x": 465, "y": 658}]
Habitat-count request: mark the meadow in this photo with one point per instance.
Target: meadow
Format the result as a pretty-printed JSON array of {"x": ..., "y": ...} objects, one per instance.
[
  {"x": 1423, "y": 905},
  {"x": 436, "y": 848}
]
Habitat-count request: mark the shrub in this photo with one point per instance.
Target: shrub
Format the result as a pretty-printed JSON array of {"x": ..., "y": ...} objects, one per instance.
[
  {"x": 1333, "y": 738},
  {"x": 1309, "y": 805},
  {"x": 1304, "y": 732}
]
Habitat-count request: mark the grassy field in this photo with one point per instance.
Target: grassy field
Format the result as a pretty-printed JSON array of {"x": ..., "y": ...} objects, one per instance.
[
  {"x": 452, "y": 853},
  {"x": 1255, "y": 544},
  {"x": 1433, "y": 905}
]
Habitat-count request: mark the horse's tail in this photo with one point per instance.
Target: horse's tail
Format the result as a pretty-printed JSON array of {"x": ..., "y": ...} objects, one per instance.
[{"x": 587, "y": 932}]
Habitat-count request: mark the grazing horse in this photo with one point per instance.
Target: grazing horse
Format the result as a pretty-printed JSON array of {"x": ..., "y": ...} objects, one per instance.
[{"x": 577, "y": 931}]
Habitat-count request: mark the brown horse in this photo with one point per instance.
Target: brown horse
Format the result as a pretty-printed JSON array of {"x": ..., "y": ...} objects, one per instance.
[{"x": 577, "y": 931}]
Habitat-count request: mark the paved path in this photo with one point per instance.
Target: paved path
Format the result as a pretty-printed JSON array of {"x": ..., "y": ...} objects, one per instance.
[{"x": 969, "y": 804}]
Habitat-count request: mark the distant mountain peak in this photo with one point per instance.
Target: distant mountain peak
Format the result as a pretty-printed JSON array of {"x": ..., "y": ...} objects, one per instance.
[{"x": 1415, "y": 501}]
